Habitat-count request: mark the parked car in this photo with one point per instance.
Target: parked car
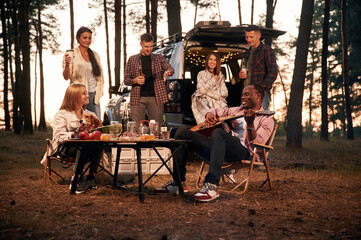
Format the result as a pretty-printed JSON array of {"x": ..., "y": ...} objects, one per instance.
[{"x": 186, "y": 53}]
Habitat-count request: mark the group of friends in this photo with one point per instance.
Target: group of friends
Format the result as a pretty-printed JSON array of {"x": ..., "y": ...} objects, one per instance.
[{"x": 146, "y": 73}]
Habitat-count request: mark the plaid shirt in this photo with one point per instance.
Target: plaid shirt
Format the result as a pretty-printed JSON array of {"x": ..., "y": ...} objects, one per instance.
[
  {"x": 264, "y": 67},
  {"x": 159, "y": 66}
]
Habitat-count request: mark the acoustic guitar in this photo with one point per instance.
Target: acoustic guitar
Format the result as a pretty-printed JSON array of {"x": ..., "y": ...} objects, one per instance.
[{"x": 207, "y": 130}]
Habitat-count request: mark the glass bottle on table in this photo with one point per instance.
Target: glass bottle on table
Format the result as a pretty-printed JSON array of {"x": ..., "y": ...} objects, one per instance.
[
  {"x": 164, "y": 129},
  {"x": 125, "y": 120},
  {"x": 244, "y": 66}
]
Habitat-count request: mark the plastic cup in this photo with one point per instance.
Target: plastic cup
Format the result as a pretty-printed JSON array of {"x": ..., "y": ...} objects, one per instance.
[
  {"x": 70, "y": 53},
  {"x": 166, "y": 135}
]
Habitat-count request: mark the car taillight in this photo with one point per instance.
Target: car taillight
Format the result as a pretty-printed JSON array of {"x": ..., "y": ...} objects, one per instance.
[{"x": 174, "y": 96}]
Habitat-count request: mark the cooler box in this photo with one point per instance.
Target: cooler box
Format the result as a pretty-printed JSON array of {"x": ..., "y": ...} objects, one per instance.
[{"x": 150, "y": 161}]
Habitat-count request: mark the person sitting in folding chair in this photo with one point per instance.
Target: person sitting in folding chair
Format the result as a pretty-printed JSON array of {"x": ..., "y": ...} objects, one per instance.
[
  {"x": 224, "y": 144},
  {"x": 67, "y": 124}
]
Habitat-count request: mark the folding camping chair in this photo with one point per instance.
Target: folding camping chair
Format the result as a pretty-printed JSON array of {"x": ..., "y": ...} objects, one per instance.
[
  {"x": 65, "y": 163},
  {"x": 262, "y": 151}
]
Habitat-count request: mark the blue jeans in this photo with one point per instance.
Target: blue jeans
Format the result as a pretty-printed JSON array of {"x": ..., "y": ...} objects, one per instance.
[
  {"x": 266, "y": 100},
  {"x": 95, "y": 108},
  {"x": 220, "y": 147}
]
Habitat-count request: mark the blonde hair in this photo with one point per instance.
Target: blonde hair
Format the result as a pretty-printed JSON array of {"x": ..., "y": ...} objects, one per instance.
[{"x": 72, "y": 97}]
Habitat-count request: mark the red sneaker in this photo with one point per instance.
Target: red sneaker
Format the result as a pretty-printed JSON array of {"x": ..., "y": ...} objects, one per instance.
[{"x": 208, "y": 193}]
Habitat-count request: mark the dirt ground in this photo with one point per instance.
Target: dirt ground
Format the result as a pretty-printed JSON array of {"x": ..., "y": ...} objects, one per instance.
[{"x": 316, "y": 195}]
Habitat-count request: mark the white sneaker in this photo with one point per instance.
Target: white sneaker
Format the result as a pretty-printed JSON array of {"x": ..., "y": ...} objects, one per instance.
[
  {"x": 208, "y": 193},
  {"x": 171, "y": 188}
]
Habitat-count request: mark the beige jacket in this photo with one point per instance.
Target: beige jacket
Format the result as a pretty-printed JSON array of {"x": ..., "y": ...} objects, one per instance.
[
  {"x": 64, "y": 124},
  {"x": 78, "y": 73}
]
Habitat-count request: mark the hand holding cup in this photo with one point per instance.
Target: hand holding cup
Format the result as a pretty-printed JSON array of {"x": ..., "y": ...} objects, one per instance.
[{"x": 69, "y": 55}]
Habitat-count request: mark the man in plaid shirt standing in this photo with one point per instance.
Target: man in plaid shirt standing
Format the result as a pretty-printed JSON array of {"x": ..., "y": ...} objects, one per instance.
[
  {"x": 146, "y": 73},
  {"x": 260, "y": 63}
]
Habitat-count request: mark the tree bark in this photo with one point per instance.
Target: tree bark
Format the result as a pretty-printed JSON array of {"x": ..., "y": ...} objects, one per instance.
[
  {"x": 174, "y": 17},
  {"x": 25, "y": 106},
  {"x": 154, "y": 16},
  {"x": 324, "y": 72},
  {"x": 118, "y": 36},
  {"x": 17, "y": 122},
  {"x": 71, "y": 9},
  {"x": 269, "y": 20},
  {"x": 107, "y": 45},
  {"x": 124, "y": 37},
  {"x": 42, "y": 122},
  {"x": 239, "y": 12},
  {"x": 294, "y": 112},
  {"x": 195, "y": 13},
  {"x": 345, "y": 69},
  {"x": 147, "y": 16},
  {"x": 252, "y": 11},
  {"x": 6, "y": 66}
]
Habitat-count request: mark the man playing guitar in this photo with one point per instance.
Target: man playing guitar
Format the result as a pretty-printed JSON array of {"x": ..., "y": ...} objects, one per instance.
[{"x": 223, "y": 145}]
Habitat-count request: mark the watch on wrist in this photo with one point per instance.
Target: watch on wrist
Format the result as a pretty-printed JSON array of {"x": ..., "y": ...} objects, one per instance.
[{"x": 250, "y": 129}]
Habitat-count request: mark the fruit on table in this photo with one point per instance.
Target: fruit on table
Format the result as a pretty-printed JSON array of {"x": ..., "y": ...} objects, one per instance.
[
  {"x": 105, "y": 137},
  {"x": 95, "y": 135},
  {"x": 84, "y": 135}
]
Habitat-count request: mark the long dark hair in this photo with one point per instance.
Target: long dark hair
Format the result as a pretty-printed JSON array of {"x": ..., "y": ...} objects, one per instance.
[
  {"x": 93, "y": 61},
  {"x": 218, "y": 66}
]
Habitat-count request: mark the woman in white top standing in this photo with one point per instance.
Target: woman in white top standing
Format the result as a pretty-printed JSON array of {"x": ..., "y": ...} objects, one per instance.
[
  {"x": 85, "y": 68},
  {"x": 211, "y": 89}
]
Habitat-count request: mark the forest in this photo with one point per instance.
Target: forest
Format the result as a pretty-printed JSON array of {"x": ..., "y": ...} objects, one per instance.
[{"x": 325, "y": 58}]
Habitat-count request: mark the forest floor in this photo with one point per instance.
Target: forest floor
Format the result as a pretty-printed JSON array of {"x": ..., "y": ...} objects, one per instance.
[{"x": 316, "y": 195}]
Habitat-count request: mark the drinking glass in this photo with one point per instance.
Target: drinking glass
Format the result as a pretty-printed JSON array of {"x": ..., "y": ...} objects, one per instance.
[{"x": 114, "y": 130}]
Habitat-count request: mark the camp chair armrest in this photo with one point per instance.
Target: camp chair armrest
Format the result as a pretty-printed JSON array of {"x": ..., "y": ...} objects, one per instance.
[{"x": 258, "y": 145}]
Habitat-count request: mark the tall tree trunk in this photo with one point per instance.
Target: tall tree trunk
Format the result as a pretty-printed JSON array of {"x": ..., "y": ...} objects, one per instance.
[
  {"x": 42, "y": 122},
  {"x": 219, "y": 11},
  {"x": 252, "y": 11},
  {"x": 195, "y": 13},
  {"x": 6, "y": 66},
  {"x": 312, "y": 80},
  {"x": 118, "y": 37},
  {"x": 324, "y": 74},
  {"x": 107, "y": 45},
  {"x": 147, "y": 16},
  {"x": 345, "y": 71},
  {"x": 294, "y": 112},
  {"x": 35, "y": 76},
  {"x": 71, "y": 8},
  {"x": 25, "y": 106},
  {"x": 269, "y": 19},
  {"x": 17, "y": 122},
  {"x": 154, "y": 17},
  {"x": 124, "y": 36},
  {"x": 174, "y": 17},
  {"x": 239, "y": 12}
]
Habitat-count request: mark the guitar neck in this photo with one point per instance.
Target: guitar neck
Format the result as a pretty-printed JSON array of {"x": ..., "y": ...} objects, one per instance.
[{"x": 228, "y": 118}]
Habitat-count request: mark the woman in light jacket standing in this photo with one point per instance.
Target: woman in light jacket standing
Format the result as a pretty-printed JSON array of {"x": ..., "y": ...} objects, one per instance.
[
  {"x": 211, "y": 89},
  {"x": 85, "y": 68}
]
